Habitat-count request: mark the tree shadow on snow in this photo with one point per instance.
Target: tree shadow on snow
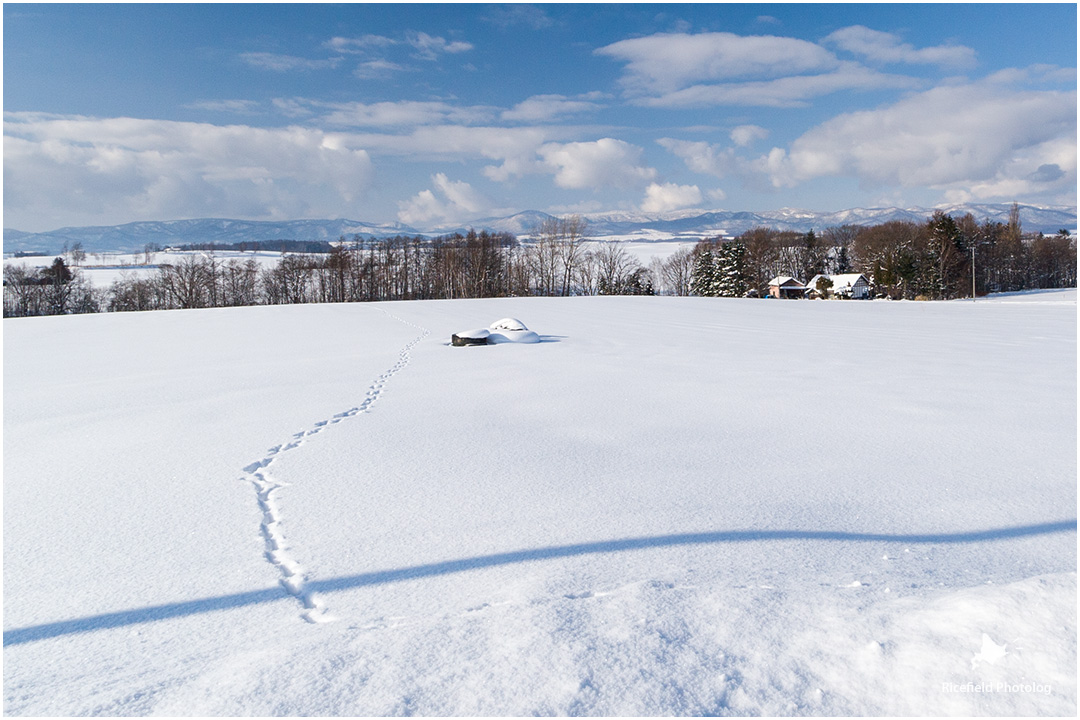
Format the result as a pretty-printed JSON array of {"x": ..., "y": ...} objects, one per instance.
[{"x": 18, "y": 636}]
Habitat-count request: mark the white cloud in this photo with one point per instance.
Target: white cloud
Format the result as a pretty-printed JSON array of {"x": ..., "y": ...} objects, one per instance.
[
  {"x": 669, "y": 196},
  {"x": 514, "y": 148},
  {"x": 460, "y": 193},
  {"x": 377, "y": 69},
  {"x": 792, "y": 91},
  {"x": 123, "y": 169},
  {"x": 239, "y": 107},
  {"x": 1034, "y": 75},
  {"x": 459, "y": 202},
  {"x": 292, "y": 108},
  {"x": 541, "y": 108},
  {"x": 600, "y": 163},
  {"x": 506, "y": 16},
  {"x": 285, "y": 63},
  {"x": 745, "y": 135},
  {"x": 359, "y": 44},
  {"x": 887, "y": 48},
  {"x": 404, "y": 113},
  {"x": 701, "y": 157},
  {"x": 708, "y": 69},
  {"x": 976, "y": 141},
  {"x": 429, "y": 47},
  {"x": 667, "y": 62}
]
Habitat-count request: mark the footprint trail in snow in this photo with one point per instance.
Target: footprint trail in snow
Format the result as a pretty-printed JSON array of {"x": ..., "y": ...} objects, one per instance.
[{"x": 277, "y": 549}]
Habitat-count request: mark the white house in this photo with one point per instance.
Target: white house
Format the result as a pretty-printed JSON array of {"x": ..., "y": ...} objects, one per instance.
[{"x": 851, "y": 285}]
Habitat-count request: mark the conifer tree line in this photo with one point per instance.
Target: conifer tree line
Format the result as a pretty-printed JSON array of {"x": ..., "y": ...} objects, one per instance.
[{"x": 901, "y": 259}]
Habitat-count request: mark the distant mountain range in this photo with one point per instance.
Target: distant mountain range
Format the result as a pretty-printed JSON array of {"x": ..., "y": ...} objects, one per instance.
[{"x": 686, "y": 224}]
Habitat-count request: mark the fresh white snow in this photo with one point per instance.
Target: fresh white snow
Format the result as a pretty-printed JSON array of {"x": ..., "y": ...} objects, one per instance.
[
  {"x": 511, "y": 330},
  {"x": 657, "y": 509}
]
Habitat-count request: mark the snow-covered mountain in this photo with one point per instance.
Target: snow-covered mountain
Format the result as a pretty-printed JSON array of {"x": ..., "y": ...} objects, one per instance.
[
  {"x": 133, "y": 237},
  {"x": 678, "y": 224}
]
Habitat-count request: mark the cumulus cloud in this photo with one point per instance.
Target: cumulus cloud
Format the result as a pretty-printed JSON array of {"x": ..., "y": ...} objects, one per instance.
[
  {"x": 543, "y": 108},
  {"x": 123, "y": 169},
  {"x": 886, "y": 47},
  {"x": 1048, "y": 173},
  {"x": 456, "y": 202},
  {"x": 286, "y": 63},
  {"x": 669, "y": 196},
  {"x": 664, "y": 63},
  {"x": 601, "y": 163},
  {"x": 745, "y": 135},
  {"x": 429, "y": 47},
  {"x": 974, "y": 141},
  {"x": 703, "y": 157}
]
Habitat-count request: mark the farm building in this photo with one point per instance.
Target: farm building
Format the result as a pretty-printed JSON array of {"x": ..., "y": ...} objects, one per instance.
[
  {"x": 786, "y": 287},
  {"x": 850, "y": 285}
]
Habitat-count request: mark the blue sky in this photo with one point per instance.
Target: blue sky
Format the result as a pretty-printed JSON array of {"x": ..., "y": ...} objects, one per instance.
[{"x": 435, "y": 115}]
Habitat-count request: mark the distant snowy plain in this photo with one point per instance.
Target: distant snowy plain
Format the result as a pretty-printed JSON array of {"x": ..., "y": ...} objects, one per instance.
[{"x": 669, "y": 506}]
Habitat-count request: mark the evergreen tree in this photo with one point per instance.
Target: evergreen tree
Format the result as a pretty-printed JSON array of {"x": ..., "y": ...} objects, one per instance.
[
  {"x": 944, "y": 257},
  {"x": 815, "y": 255},
  {"x": 843, "y": 263},
  {"x": 731, "y": 280},
  {"x": 703, "y": 275}
]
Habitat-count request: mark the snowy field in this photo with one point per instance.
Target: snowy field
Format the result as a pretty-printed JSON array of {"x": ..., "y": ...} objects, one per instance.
[{"x": 669, "y": 506}]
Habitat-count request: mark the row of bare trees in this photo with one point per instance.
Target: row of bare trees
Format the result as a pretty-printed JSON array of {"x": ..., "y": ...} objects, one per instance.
[
  {"x": 559, "y": 260},
  {"x": 55, "y": 290}
]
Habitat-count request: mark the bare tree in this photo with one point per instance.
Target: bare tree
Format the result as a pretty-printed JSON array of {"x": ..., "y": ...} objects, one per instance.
[
  {"x": 77, "y": 254},
  {"x": 544, "y": 258},
  {"x": 571, "y": 238},
  {"x": 189, "y": 282},
  {"x": 674, "y": 272},
  {"x": 614, "y": 266}
]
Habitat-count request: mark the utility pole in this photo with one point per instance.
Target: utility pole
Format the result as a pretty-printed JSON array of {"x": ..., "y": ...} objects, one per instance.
[
  {"x": 973, "y": 246},
  {"x": 973, "y": 272}
]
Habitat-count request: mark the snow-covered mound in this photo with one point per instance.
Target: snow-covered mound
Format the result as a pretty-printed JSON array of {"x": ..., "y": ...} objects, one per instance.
[
  {"x": 511, "y": 330},
  {"x": 507, "y": 330},
  {"x": 320, "y": 510}
]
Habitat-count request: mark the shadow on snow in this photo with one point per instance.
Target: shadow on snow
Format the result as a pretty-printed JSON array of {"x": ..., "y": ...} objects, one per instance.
[{"x": 105, "y": 621}]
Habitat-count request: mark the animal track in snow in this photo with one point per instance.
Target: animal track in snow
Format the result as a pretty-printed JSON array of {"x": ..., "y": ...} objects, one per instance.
[{"x": 276, "y": 548}]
